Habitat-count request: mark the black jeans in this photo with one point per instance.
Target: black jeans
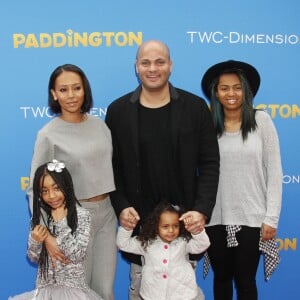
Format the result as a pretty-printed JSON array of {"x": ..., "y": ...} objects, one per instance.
[{"x": 236, "y": 264}]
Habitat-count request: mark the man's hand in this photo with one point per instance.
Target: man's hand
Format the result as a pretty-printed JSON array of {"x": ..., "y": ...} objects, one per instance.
[
  {"x": 129, "y": 218},
  {"x": 194, "y": 221}
]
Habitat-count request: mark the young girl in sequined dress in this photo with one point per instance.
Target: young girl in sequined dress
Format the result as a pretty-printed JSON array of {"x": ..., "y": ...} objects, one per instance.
[{"x": 57, "y": 213}]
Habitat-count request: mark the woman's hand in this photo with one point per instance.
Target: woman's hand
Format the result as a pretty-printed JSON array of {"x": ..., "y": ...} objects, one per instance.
[{"x": 268, "y": 232}]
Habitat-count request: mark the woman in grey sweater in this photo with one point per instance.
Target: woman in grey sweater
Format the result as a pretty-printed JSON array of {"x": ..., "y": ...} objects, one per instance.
[
  {"x": 83, "y": 143},
  {"x": 246, "y": 214}
]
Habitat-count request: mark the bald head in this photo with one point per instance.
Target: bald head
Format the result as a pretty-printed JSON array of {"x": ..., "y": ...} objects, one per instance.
[
  {"x": 154, "y": 66},
  {"x": 153, "y": 44}
]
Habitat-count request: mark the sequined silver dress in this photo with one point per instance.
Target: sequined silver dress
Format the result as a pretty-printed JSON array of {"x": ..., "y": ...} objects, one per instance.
[{"x": 66, "y": 281}]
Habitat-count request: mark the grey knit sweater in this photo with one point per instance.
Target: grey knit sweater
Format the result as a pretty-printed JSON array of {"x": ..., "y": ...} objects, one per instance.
[
  {"x": 86, "y": 150},
  {"x": 250, "y": 185}
]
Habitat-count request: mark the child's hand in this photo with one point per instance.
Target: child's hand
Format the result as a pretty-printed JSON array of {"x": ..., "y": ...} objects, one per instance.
[
  {"x": 54, "y": 251},
  {"x": 39, "y": 233}
]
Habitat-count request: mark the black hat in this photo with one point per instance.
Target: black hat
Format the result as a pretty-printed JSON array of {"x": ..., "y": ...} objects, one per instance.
[{"x": 216, "y": 70}]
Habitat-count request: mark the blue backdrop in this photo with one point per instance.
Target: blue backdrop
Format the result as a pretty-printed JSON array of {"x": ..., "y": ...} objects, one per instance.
[{"x": 102, "y": 38}]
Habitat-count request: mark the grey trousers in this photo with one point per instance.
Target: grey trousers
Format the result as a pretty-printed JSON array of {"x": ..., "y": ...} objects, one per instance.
[
  {"x": 135, "y": 282},
  {"x": 102, "y": 250}
]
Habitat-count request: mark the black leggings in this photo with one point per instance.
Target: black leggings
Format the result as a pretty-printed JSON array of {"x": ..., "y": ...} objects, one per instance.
[{"x": 237, "y": 264}]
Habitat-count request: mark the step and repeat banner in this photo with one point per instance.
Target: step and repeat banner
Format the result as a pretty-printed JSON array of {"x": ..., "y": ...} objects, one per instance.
[{"x": 102, "y": 38}]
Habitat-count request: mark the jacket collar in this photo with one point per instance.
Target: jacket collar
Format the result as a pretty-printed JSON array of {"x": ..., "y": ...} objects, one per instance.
[{"x": 136, "y": 94}]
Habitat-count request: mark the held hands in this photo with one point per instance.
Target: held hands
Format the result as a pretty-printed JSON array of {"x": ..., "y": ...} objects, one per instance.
[
  {"x": 39, "y": 233},
  {"x": 129, "y": 218},
  {"x": 194, "y": 221},
  {"x": 54, "y": 251},
  {"x": 268, "y": 232}
]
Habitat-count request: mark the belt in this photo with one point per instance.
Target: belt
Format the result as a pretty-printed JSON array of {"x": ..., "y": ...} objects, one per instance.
[{"x": 95, "y": 199}]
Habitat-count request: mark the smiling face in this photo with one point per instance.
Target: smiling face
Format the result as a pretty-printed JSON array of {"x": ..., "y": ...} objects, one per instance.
[
  {"x": 69, "y": 92},
  {"x": 169, "y": 226},
  {"x": 229, "y": 91},
  {"x": 154, "y": 65},
  {"x": 51, "y": 193}
]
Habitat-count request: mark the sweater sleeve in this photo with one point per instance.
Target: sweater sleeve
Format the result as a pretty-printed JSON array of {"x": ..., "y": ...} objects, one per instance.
[
  {"x": 127, "y": 243},
  {"x": 34, "y": 249},
  {"x": 118, "y": 197},
  {"x": 273, "y": 170},
  {"x": 198, "y": 243},
  {"x": 208, "y": 163}
]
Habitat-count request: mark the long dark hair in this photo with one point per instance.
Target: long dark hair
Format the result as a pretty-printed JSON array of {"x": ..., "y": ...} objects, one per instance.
[
  {"x": 88, "y": 98},
  {"x": 42, "y": 211},
  {"x": 149, "y": 229},
  {"x": 248, "y": 111}
]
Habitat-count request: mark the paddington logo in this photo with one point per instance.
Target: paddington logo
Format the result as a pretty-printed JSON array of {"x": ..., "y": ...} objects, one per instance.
[
  {"x": 234, "y": 37},
  {"x": 24, "y": 182},
  {"x": 282, "y": 110},
  {"x": 287, "y": 244},
  {"x": 70, "y": 39}
]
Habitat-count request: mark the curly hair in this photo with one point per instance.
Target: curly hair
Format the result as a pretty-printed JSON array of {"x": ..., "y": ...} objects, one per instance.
[
  {"x": 149, "y": 229},
  {"x": 42, "y": 211}
]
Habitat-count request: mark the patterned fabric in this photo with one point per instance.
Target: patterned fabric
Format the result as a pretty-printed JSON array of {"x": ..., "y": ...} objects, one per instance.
[
  {"x": 268, "y": 248},
  {"x": 231, "y": 235},
  {"x": 271, "y": 256},
  {"x": 65, "y": 281},
  {"x": 74, "y": 246},
  {"x": 206, "y": 264}
]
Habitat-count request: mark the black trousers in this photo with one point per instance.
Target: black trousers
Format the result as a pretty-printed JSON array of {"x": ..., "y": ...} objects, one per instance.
[{"x": 236, "y": 265}]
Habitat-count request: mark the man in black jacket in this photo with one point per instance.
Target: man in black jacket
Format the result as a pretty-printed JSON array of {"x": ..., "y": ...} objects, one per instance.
[{"x": 164, "y": 148}]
